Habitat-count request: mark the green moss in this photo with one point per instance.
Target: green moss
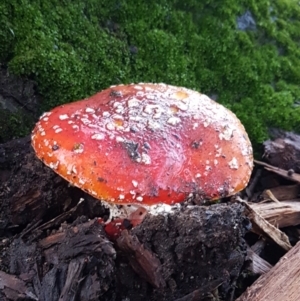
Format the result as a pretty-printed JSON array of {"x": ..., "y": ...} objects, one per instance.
[{"x": 75, "y": 48}]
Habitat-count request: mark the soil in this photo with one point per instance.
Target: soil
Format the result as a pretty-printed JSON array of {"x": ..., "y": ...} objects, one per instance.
[{"x": 54, "y": 248}]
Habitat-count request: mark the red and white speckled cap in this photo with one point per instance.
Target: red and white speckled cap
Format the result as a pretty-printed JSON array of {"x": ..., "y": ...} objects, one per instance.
[{"x": 146, "y": 144}]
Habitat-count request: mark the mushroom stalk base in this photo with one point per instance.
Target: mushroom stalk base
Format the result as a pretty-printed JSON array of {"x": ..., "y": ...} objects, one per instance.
[{"x": 135, "y": 211}]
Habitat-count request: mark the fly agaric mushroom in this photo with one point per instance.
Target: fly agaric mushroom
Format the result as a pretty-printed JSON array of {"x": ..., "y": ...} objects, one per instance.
[{"x": 146, "y": 144}]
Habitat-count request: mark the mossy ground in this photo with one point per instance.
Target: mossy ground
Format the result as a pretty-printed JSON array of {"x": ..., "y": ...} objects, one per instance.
[{"x": 76, "y": 48}]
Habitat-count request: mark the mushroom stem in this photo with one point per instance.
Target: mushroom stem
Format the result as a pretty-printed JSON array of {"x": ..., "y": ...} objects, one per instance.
[
  {"x": 123, "y": 211},
  {"x": 136, "y": 212},
  {"x": 123, "y": 217}
]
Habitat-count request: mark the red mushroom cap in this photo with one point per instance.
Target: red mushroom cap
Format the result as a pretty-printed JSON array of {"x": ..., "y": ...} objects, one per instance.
[{"x": 146, "y": 144}]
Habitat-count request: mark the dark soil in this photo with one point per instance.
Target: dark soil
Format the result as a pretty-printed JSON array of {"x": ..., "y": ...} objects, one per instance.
[{"x": 53, "y": 247}]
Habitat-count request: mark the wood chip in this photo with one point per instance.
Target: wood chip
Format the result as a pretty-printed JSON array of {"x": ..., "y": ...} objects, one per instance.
[
  {"x": 264, "y": 228},
  {"x": 281, "y": 283},
  {"x": 279, "y": 214},
  {"x": 142, "y": 260},
  {"x": 283, "y": 192},
  {"x": 295, "y": 177},
  {"x": 13, "y": 288},
  {"x": 258, "y": 265}
]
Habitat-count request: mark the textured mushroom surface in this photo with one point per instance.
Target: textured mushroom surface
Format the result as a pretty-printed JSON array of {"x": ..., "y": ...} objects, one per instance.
[{"x": 146, "y": 144}]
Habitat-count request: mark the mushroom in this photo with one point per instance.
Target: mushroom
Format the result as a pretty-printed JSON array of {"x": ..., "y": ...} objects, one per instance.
[{"x": 146, "y": 144}]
